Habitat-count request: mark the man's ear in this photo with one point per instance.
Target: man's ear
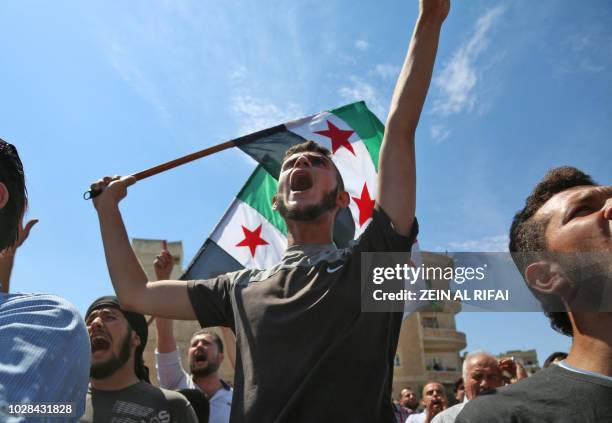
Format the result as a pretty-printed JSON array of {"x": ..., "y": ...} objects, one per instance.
[
  {"x": 275, "y": 202},
  {"x": 4, "y": 195},
  {"x": 135, "y": 339},
  {"x": 545, "y": 278},
  {"x": 343, "y": 199},
  {"x": 221, "y": 357}
]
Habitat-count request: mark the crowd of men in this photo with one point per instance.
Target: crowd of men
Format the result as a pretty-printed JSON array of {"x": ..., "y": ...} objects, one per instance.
[
  {"x": 482, "y": 372},
  {"x": 304, "y": 349}
]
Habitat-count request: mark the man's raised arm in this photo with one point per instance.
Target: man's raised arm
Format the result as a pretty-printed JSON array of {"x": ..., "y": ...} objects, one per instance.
[
  {"x": 397, "y": 172},
  {"x": 166, "y": 298}
]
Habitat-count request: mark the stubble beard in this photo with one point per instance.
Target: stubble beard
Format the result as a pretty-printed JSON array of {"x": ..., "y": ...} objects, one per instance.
[
  {"x": 211, "y": 368},
  {"x": 109, "y": 367},
  {"x": 308, "y": 213}
]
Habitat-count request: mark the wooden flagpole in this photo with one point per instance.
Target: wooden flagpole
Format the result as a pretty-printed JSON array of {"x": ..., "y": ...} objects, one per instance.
[{"x": 89, "y": 194}]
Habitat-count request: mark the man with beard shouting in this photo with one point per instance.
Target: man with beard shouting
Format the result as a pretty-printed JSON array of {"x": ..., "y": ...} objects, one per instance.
[
  {"x": 434, "y": 402},
  {"x": 205, "y": 356},
  {"x": 119, "y": 388},
  {"x": 304, "y": 345}
]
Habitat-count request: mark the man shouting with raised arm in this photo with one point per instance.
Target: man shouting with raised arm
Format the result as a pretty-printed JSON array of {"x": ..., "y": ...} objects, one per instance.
[{"x": 304, "y": 346}]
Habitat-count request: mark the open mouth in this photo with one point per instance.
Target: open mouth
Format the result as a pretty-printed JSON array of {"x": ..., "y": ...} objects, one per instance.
[
  {"x": 436, "y": 403},
  {"x": 99, "y": 343},
  {"x": 200, "y": 357},
  {"x": 300, "y": 181}
]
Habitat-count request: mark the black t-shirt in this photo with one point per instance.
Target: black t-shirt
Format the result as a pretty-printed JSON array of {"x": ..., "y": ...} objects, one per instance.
[
  {"x": 306, "y": 352},
  {"x": 551, "y": 395},
  {"x": 138, "y": 403}
]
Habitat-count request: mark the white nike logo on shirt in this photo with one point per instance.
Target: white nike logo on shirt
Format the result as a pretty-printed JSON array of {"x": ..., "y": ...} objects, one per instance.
[{"x": 333, "y": 269}]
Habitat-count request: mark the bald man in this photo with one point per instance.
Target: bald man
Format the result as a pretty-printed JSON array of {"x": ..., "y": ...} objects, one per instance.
[{"x": 481, "y": 373}]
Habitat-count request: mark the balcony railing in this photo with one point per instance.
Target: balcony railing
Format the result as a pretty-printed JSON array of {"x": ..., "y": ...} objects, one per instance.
[
  {"x": 444, "y": 336},
  {"x": 443, "y": 376}
]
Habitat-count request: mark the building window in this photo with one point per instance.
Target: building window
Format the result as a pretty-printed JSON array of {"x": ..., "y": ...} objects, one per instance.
[
  {"x": 397, "y": 362},
  {"x": 431, "y": 322}
]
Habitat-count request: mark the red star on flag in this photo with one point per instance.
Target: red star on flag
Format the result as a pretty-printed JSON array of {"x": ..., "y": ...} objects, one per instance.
[
  {"x": 339, "y": 137},
  {"x": 252, "y": 239},
  {"x": 365, "y": 205}
]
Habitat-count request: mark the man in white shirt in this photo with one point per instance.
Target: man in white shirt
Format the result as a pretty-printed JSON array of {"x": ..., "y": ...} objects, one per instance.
[
  {"x": 434, "y": 400},
  {"x": 205, "y": 357},
  {"x": 481, "y": 373}
]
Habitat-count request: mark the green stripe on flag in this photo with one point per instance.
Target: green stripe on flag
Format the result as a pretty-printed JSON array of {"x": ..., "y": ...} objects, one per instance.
[
  {"x": 366, "y": 124},
  {"x": 258, "y": 192}
]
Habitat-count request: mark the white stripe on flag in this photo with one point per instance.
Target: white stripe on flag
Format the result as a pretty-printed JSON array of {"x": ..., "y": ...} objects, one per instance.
[
  {"x": 356, "y": 169},
  {"x": 242, "y": 220}
]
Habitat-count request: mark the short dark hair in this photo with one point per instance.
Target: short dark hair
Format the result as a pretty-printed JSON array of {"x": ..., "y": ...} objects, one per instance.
[
  {"x": 405, "y": 387},
  {"x": 314, "y": 147},
  {"x": 136, "y": 322},
  {"x": 527, "y": 234},
  {"x": 554, "y": 356},
  {"x": 215, "y": 337},
  {"x": 432, "y": 382},
  {"x": 12, "y": 176},
  {"x": 458, "y": 383}
]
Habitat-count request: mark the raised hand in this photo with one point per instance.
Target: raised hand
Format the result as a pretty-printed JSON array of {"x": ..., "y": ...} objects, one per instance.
[
  {"x": 7, "y": 256},
  {"x": 24, "y": 231},
  {"x": 164, "y": 263},
  {"x": 112, "y": 189},
  {"x": 22, "y": 235},
  {"x": 435, "y": 8},
  {"x": 514, "y": 368}
]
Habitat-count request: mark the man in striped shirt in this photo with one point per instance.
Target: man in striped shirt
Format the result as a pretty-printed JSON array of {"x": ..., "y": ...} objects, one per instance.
[{"x": 44, "y": 349}]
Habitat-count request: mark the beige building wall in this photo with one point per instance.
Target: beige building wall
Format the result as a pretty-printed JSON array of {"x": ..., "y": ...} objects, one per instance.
[{"x": 429, "y": 344}]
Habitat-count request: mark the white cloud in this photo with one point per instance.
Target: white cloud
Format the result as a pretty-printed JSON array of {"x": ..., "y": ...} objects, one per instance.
[
  {"x": 459, "y": 76},
  {"x": 496, "y": 243},
  {"x": 257, "y": 114},
  {"x": 386, "y": 71},
  {"x": 253, "y": 113},
  {"x": 581, "y": 52},
  {"x": 590, "y": 67},
  {"x": 439, "y": 132},
  {"x": 345, "y": 59},
  {"x": 238, "y": 74},
  {"x": 361, "y": 90},
  {"x": 362, "y": 45},
  {"x": 122, "y": 61},
  {"x": 577, "y": 42}
]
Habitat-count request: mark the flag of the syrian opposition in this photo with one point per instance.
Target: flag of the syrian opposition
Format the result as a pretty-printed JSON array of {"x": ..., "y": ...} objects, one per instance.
[{"x": 251, "y": 234}]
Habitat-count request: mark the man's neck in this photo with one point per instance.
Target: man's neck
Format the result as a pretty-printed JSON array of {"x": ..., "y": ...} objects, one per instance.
[
  {"x": 209, "y": 384},
  {"x": 592, "y": 345},
  {"x": 121, "y": 379},
  {"x": 318, "y": 231}
]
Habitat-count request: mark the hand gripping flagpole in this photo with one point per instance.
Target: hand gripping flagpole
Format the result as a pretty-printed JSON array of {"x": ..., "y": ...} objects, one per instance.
[{"x": 89, "y": 194}]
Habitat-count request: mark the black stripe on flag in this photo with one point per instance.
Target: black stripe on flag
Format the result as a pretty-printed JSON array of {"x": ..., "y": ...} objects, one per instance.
[{"x": 211, "y": 261}]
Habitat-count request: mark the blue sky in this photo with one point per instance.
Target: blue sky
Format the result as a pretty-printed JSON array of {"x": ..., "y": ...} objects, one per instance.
[{"x": 96, "y": 88}]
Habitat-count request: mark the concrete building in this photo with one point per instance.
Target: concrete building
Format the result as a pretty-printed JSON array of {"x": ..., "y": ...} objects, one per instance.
[
  {"x": 428, "y": 348},
  {"x": 429, "y": 344}
]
